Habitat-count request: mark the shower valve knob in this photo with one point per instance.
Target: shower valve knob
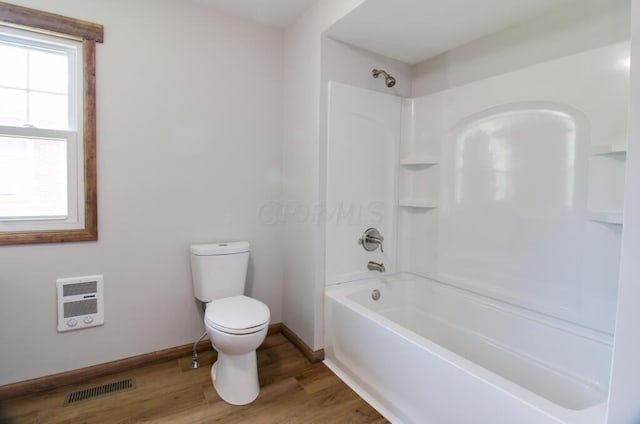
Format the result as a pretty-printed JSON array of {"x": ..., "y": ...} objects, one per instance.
[{"x": 371, "y": 239}]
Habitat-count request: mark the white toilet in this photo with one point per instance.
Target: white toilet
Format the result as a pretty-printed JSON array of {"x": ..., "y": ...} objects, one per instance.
[{"x": 235, "y": 323}]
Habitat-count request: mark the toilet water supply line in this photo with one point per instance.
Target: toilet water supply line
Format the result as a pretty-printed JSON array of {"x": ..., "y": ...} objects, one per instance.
[{"x": 196, "y": 364}]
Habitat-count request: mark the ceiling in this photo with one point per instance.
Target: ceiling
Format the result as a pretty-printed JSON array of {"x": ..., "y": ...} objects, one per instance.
[
  {"x": 407, "y": 30},
  {"x": 414, "y": 30},
  {"x": 276, "y": 13}
]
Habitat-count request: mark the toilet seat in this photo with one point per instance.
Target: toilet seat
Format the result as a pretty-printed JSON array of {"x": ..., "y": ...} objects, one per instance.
[
  {"x": 237, "y": 315},
  {"x": 237, "y": 332}
]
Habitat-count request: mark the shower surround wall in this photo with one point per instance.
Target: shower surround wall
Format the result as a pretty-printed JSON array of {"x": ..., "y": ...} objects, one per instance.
[
  {"x": 512, "y": 189},
  {"x": 511, "y": 186},
  {"x": 362, "y": 152}
]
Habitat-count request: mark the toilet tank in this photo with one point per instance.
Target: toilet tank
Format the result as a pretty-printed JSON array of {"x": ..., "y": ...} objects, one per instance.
[{"x": 219, "y": 269}]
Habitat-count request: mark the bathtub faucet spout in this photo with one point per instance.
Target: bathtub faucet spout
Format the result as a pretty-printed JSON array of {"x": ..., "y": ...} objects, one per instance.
[{"x": 375, "y": 266}]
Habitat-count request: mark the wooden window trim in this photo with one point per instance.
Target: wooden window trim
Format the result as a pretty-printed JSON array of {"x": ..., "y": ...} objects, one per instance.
[
  {"x": 90, "y": 34},
  {"x": 50, "y": 22}
]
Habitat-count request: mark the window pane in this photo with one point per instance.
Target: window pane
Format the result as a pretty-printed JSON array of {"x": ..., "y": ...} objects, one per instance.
[
  {"x": 13, "y": 107},
  {"x": 13, "y": 72},
  {"x": 49, "y": 110},
  {"x": 33, "y": 177},
  {"x": 48, "y": 72}
]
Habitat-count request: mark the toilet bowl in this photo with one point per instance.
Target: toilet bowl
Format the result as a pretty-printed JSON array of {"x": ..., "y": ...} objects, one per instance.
[{"x": 236, "y": 327}]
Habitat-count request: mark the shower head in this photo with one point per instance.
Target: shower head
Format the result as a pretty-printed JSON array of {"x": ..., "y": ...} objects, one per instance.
[{"x": 388, "y": 79}]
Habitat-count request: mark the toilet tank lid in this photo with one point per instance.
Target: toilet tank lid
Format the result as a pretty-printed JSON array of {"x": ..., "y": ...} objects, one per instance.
[{"x": 221, "y": 248}]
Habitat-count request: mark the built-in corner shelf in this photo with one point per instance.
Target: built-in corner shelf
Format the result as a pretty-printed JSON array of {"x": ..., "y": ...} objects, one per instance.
[
  {"x": 608, "y": 149},
  {"x": 607, "y": 217},
  {"x": 609, "y": 175},
  {"x": 418, "y": 203},
  {"x": 420, "y": 161}
]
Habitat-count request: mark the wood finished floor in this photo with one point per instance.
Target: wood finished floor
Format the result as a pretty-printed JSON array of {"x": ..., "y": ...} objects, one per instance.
[{"x": 293, "y": 390}]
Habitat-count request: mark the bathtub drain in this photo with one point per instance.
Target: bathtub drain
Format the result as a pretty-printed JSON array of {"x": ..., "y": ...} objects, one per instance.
[{"x": 375, "y": 294}]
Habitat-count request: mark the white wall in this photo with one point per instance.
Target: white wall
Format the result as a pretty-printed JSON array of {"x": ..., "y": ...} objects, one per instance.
[
  {"x": 574, "y": 27},
  {"x": 189, "y": 142},
  {"x": 352, "y": 65},
  {"x": 624, "y": 403},
  {"x": 303, "y": 234}
]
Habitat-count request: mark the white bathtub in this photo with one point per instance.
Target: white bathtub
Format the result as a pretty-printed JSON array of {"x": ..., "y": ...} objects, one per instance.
[{"x": 429, "y": 353}]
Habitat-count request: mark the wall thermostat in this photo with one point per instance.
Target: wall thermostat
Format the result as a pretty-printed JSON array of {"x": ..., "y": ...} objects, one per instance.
[{"x": 80, "y": 302}]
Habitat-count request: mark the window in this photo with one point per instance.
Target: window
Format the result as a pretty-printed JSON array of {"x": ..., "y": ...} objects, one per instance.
[
  {"x": 47, "y": 127},
  {"x": 41, "y": 172}
]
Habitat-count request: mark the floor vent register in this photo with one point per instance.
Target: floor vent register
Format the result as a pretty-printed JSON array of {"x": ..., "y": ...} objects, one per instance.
[{"x": 99, "y": 391}]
